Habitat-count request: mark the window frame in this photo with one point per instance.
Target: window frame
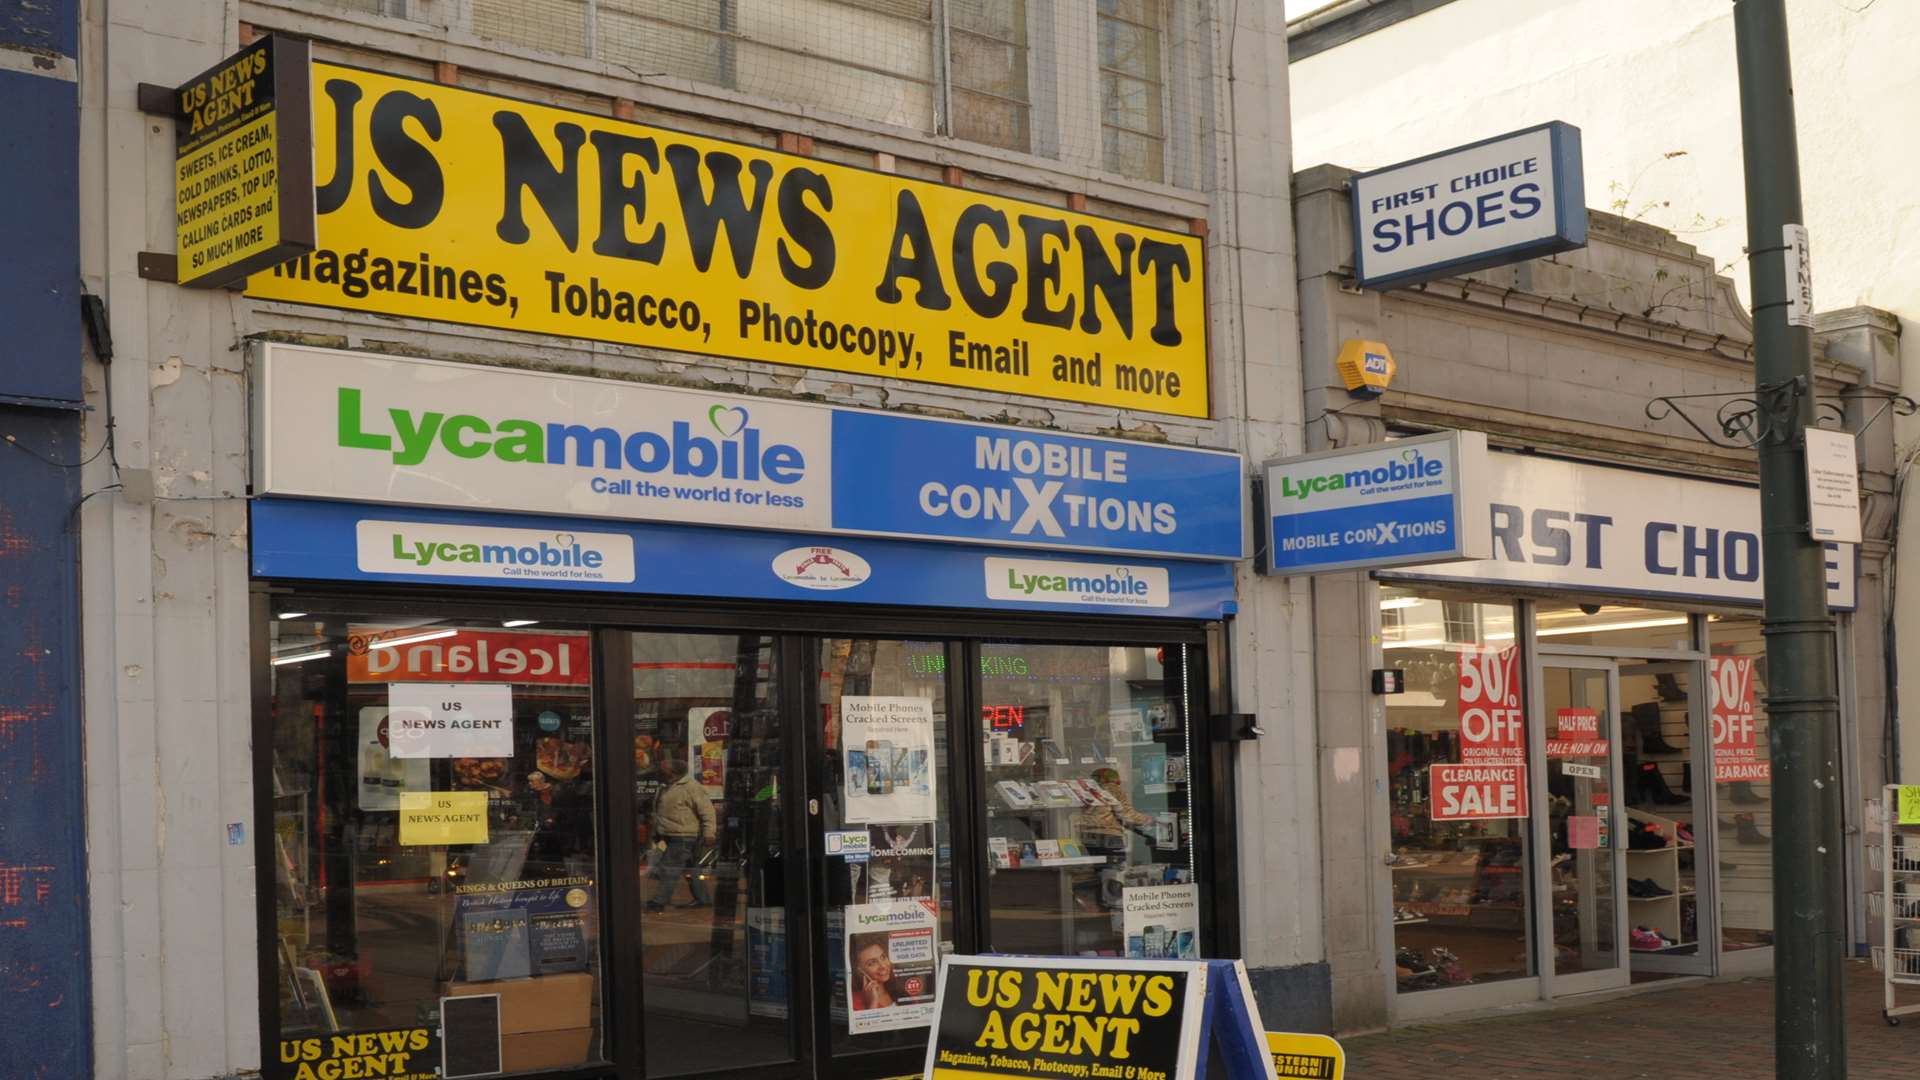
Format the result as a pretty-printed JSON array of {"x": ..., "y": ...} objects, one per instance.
[{"x": 609, "y": 622}]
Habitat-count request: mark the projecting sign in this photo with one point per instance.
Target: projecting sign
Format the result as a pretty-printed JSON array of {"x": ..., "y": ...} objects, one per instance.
[
  {"x": 1589, "y": 528},
  {"x": 343, "y": 425},
  {"x": 1413, "y": 500},
  {"x": 1502, "y": 200},
  {"x": 442, "y": 202},
  {"x": 243, "y": 164}
]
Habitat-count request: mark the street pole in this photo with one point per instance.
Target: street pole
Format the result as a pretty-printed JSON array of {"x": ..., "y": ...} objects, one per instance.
[{"x": 1802, "y": 703}]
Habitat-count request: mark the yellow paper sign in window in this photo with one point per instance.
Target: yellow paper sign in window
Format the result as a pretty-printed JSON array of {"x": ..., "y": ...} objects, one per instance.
[
  {"x": 1909, "y": 805},
  {"x": 443, "y": 817}
]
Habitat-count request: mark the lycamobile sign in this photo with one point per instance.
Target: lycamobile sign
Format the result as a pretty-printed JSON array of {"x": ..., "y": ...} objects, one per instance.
[
  {"x": 1420, "y": 500},
  {"x": 1049, "y": 581},
  {"x": 532, "y": 555},
  {"x": 410, "y": 437},
  {"x": 1409, "y": 466},
  {"x": 368, "y": 428}
]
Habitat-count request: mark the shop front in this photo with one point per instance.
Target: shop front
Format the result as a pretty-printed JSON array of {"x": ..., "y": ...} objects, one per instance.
[
  {"x": 1577, "y": 772},
  {"x": 574, "y": 770}
]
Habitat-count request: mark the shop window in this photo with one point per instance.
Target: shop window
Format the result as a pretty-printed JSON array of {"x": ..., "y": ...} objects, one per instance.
[
  {"x": 1456, "y": 754},
  {"x": 1742, "y": 780},
  {"x": 433, "y": 838},
  {"x": 707, "y": 746},
  {"x": 890, "y": 889},
  {"x": 1133, "y": 88},
  {"x": 1087, "y": 752}
]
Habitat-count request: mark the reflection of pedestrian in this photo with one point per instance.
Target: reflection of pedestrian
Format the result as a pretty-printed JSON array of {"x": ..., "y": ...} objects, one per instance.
[
  {"x": 1106, "y": 825},
  {"x": 682, "y": 822},
  {"x": 875, "y": 985}
]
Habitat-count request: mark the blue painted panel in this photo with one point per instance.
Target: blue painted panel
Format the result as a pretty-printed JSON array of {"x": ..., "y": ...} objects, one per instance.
[
  {"x": 39, "y": 216},
  {"x": 45, "y": 1021},
  {"x": 49, "y": 25},
  {"x": 303, "y": 539}
]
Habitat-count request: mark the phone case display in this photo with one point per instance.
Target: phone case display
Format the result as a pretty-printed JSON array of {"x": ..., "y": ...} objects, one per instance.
[{"x": 1084, "y": 801}]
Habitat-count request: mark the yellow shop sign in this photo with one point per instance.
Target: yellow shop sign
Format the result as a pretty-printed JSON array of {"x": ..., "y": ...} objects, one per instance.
[{"x": 443, "y": 203}]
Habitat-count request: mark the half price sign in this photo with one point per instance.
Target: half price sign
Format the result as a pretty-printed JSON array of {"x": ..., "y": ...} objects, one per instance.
[{"x": 1577, "y": 734}]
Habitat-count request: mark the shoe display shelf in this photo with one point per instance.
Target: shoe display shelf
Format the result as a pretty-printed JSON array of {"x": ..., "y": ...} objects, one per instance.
[
  {"x": 1479, "y": 885},
  {"x": 1662, "y": 867},
  {"x": 1893, "y": 852}
]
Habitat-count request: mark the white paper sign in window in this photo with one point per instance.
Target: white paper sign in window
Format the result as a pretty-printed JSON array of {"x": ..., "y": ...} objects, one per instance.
[{"x": 434, "y": 720}]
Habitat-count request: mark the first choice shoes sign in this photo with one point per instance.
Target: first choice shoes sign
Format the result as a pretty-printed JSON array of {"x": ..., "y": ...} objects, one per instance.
[
  {"x": 381, "y": 429},
  {"x": 1502, "y": 200}
]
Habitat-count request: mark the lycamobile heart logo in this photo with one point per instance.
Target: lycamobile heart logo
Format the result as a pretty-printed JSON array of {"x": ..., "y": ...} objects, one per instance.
[{"x": 727, "y": 421}]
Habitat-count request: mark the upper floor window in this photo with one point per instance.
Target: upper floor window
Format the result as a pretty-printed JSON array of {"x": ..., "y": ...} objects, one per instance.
[
  {"x": 1082, "y": 80},
  {"x": 1133, "y": 135}
]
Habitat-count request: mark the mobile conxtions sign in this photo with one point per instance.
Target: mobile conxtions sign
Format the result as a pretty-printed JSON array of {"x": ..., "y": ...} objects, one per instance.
[{"x": 443, "y": 203}]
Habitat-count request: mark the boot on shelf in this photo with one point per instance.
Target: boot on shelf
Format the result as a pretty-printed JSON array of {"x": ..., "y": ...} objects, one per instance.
[
  {"x": 1652, "y": 787},
  {"x": 1741, "y": 791},
  {"x": 1652, "y": 741}
]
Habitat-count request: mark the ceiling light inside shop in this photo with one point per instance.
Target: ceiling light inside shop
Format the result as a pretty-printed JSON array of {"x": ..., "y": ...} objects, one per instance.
[
  {"x": 410, "y": 639},
  {"x": 1598, "y": 628},
  {"x": 1416, "y": 643},
  {"x": 291, "y": 614},
  {"x": 1395, "y": 603},
  {"x": 520, "y": 622},
  {"x": 301, "y": 658}
]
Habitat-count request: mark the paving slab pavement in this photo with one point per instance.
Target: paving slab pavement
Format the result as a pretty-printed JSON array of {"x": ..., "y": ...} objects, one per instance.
[{"x": 1712, "y": 1031}]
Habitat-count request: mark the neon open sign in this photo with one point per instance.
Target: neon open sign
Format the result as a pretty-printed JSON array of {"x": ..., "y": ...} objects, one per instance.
[{"x": 1004, "y": 717}]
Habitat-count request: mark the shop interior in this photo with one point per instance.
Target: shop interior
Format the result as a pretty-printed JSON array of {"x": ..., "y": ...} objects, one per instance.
[{"x": 1461, "y": 907}]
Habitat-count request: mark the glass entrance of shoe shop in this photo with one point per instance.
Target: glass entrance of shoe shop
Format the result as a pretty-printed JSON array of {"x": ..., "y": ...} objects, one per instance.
[
  {"x": 1542, "y": 797},
  {"x": 1589, "y": 891}
]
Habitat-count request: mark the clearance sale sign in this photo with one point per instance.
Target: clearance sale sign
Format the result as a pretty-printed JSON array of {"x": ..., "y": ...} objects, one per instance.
[{"x": 1490, "y": 781}]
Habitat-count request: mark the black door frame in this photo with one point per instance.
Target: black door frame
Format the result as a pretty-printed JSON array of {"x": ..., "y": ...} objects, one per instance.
[{"x": 795, "y": 627}]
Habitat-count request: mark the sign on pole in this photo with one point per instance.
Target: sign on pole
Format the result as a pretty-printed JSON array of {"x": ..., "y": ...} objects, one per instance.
[
  {"x": 1833, "y": 486},
  {"x": 1502, "y": 200},
  {"x": 243, "y": 164}
]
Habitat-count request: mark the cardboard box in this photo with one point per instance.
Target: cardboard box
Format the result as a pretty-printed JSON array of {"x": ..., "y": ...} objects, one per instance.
[
  {"x": 545, "y": 1049},
  {"x": 544, "y": 1003}
]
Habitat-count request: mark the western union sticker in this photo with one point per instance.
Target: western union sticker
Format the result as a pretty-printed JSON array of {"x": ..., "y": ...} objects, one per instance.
[
  {"x": 438, "y": 202},
  {"x": 1315, "y": 1056},
  {"x": 443, "y": 817}
]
